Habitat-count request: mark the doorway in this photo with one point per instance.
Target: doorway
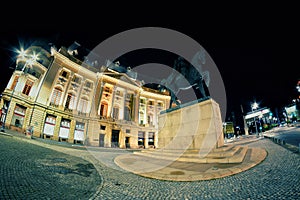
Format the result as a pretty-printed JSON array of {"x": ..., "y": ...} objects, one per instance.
[
  {"x": 115, "y": 138},
  {"x": 101, "y": 140},
  {"x": 127, "y": 142}
]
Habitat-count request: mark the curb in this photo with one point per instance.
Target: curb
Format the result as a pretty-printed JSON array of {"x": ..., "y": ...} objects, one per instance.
[{"x": 284, "y": 144}]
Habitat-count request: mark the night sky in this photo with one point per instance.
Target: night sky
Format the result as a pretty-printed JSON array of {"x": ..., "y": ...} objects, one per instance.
[{"x": 256, "y": 52}]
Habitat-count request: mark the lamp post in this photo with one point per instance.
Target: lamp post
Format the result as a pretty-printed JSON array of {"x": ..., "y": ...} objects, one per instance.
[
  {"x": 253, "y": 107},
  {"x": 29, "y": 61},
  {"x": 245, "y": 123}
]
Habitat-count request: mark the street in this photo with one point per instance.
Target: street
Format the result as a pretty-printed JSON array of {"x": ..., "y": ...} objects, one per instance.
[{"x": 291, "y": 135}]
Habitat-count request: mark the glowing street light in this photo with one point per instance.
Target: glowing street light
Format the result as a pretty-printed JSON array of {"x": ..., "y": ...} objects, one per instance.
[
  {"x": 21, "y": 53},
  {"x": 253, "y": 107}
]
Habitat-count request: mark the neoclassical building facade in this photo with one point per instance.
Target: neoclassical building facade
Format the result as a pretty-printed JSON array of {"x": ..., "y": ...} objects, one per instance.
[{"x": 63, "y": 98}]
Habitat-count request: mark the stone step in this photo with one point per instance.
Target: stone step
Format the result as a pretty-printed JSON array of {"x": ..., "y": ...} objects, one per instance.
[
  {"x": 237, "y": 156},
  {"x": 224, "y": 148},
  {"x": 225, "y": 152}
]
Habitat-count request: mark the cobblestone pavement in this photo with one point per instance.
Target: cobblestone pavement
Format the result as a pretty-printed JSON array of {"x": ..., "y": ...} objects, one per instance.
[
  {"x": 32, "y": 172},
  {"x": 277, "y": 177}
]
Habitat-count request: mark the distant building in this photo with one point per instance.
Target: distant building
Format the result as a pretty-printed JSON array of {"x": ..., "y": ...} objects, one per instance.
[
  {"x": 65, "y": 99},
  {"x": 292, "y": 113},
  {"x": 260, "y": 119}
]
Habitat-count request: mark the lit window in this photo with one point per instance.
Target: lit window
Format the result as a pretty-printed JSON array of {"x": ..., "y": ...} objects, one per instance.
[
  {"x": 103, "y": 109},
  {"x": 70, "y": 103},
  {"x": 56, "y": 95},
  {"x": 14, "y": 83},
  {"x": 27, "y": 87}
]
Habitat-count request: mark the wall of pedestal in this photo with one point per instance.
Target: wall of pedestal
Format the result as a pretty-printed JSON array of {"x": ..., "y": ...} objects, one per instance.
[{"x": 193, "y": 126}]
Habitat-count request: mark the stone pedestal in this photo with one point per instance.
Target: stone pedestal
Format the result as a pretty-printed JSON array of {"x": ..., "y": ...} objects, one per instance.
[
  {"x": 192, "y": 126},
  {"x": 191, "y": 147},
  {"x": 193, "y": 132}
]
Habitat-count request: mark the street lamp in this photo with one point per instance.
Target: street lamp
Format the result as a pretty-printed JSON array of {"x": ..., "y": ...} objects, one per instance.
[
  {"x": 253, "y": 107},
  {"x": 29, "y": 61}
]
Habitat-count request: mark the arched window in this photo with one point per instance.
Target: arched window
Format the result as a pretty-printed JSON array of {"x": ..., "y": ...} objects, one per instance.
[
  {"x": 103, "y": 109},
  {"x": 70, "y": 103},
  {"x": 56, "y": 96},
  {"x": 83, "y": 105}
]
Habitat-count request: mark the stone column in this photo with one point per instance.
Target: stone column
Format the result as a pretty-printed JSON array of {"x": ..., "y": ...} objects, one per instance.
[
  {"x": 112, "y": 101},
  {"x": 10, "y": 113},
  {"x": 107, "y": 138},
  {"x": 98, "y": 105},
  {"x": 146, "y": 140},
  {"x": 72, "y": 131},
  {"x": 136, "y": 107},
  {"x": 56, "y": 128}
]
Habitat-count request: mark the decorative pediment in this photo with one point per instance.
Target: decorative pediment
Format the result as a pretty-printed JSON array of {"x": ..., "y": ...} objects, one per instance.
[{"x": 123, "y": 77}]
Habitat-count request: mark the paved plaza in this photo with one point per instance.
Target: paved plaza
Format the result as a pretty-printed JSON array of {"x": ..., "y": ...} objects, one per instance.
[{"x": 44, "y": 169}]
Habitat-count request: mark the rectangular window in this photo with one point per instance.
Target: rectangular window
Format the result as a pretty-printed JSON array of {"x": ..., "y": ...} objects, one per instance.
[
  {"x": 151, "y": 138},
  {"x": 27, "y": 87},
  {"x": 160, "y": 104},
  {"x": 64, "y": 74},
  {"x": 142, "y": 101},
  {"x": 18, "y": 116},
  {"x": 13, "y": 85},
  {"x": 88, "y": 84},
  {"x": 107, "y": 89},
  {"x": 128, "y": 96},
  {"x": 116, "y": 113},
  {"x": 49, "y": 125},
  {"x": 76, "y": 79},
  {"x": 141, "y": 136},
  {"x": 64, "y": 129},
  {"x": 79, "y": 131},
  {"x": 102, "y": 127}
]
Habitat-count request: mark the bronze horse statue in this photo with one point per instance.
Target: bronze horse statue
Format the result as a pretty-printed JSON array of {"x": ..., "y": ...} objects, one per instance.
[{"x": 185, "y": 76}]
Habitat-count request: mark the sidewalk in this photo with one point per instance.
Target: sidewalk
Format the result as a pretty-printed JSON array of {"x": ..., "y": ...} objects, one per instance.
[{"x": 13, "y": 133}]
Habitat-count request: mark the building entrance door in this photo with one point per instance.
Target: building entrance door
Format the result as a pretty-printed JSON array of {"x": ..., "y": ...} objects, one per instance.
[
  {"x": 115, "y": 138},
  {"x": 127, "y": 142},
  {"x": 101, "y": 140}
]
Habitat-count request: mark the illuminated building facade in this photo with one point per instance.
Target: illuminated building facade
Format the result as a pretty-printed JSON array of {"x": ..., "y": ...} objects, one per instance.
[
  {"x": 260, "y": 120},
  {"x": 65, "y": 99}
]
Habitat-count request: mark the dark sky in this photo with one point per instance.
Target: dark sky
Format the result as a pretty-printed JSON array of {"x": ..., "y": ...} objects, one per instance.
[{"x": 256, "y": 51}]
